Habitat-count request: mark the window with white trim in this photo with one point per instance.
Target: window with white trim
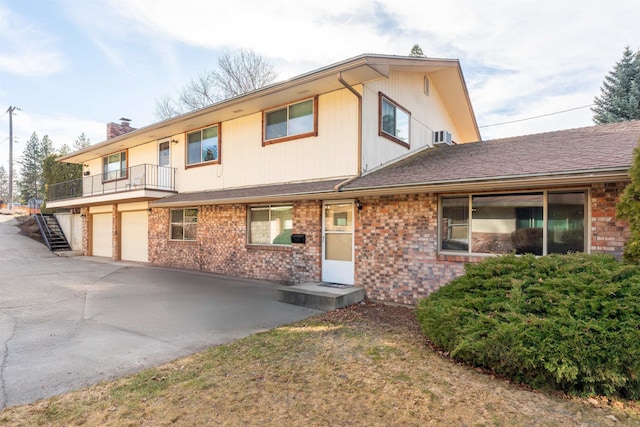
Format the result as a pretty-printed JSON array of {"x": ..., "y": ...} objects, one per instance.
[
  {"x": 394, "y": 121},
  {"x": 293, "y": 120},
  {"x": 538, "y": 223},
  {"x": 270, "y": 225},
  {"x": 184, "y": 224},
  {"x": 203, "y": 146}
]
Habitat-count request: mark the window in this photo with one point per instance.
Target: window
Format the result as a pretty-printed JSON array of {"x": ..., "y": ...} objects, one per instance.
[
  {"x": 537, "y": 223},
  {"x": 292, "y": 121},
  {"x": 270, "y": 225},
  {"x": 203, "y": 146},
  {"x": 184, "y": 223},
  {"x": 394, "y": 122},
  {"x": 114, "y": 166}
]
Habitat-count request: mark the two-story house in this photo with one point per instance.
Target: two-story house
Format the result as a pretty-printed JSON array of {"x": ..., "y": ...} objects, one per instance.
[{"x": 355, "y": 173}]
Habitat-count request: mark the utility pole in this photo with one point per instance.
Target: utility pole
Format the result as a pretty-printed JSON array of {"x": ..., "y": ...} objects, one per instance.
[{"x": 10, "y": 110}]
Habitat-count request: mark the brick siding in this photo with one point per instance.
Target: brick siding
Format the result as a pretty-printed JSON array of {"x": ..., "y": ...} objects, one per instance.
[
  {"x": 221, "y": 245},
  {"x": 396, "y": 243},
  {"x": 608, "y": 233}
]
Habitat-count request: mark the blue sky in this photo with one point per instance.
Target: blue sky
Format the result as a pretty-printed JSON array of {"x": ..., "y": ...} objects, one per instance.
[{"x": 71, "y": 66}]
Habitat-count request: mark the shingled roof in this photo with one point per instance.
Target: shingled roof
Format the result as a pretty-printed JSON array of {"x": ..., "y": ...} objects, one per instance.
[
  {"x": 595, "y": 149},
  {"x": 287, "y": 191}
]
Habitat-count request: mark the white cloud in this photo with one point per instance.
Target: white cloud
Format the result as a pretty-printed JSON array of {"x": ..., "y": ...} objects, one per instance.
[
  {"x": 25, "y": 49},
  {"x": 61, "y": 129},
  {"x": 520, "y": 58}
]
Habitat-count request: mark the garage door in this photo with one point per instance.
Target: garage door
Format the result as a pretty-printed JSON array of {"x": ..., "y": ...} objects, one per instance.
[
  {"x": 135, "y": 238},
  {"x": 101, "y": 234}
]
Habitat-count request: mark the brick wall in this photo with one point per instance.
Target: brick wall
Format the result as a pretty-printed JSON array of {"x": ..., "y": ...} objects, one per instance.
[
  {"x": 608, "y": 234},
  {"x": 221, "y": 246},
  {"x": 396, "y": 248},
  {"x": 115, "y": 129},
  {"x": 86, "y": 226},
  {"x": 396, "y": 243}
]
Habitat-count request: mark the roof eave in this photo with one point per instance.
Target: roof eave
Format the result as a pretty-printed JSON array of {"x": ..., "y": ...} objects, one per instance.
[
  {"x": 274, "y": 198},
  {"x": 378, "y": 65},
  {"x": 497, "y": 183}
]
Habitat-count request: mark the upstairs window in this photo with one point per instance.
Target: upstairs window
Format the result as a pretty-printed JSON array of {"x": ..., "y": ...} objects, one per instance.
[
  {"x": 184, "y": 224},
  {"x": 114, "y": 166},
  {"x": 203, "y": 146},
  {"x": 394, "y": 123},
  {"x": 291, "y": 121}
]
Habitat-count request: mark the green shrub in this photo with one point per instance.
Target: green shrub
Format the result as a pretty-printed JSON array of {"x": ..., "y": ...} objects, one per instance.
[{"x": 567, "y": 322}]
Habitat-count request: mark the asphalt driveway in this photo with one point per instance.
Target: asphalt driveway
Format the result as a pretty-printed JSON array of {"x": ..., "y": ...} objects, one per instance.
[{"x": 66, "y": 323}]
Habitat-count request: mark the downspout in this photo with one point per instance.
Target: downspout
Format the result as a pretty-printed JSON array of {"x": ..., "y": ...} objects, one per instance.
[{"x": 359, "y": 163}]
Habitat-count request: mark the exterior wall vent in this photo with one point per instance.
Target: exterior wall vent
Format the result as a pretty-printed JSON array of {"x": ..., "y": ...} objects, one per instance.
[{"x": 441, "y": 137}]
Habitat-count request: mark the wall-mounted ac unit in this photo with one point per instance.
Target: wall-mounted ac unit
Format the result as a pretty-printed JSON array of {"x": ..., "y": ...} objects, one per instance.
[{"x": 441, "y": 137}]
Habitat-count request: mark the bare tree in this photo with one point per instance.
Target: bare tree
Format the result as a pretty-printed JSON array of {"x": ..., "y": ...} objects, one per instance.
[
  {"x": 238, "y": 72},
  {"x": 242, "y": 72}
]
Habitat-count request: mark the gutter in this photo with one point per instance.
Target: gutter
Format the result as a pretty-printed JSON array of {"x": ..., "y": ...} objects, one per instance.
[
  {"x": 495, "y": 183},
  {"x": 359, "y": 163}
]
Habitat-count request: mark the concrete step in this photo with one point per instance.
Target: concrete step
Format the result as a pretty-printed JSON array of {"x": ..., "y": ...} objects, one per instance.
[{"x": 320, "y": 295}]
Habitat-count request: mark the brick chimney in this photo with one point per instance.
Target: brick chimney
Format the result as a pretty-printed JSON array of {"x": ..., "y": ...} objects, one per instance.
[{"x": 115, "y": 129}]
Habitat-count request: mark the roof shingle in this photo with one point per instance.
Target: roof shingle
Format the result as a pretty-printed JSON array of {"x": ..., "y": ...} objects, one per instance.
[{"x": 572, "y": 151}]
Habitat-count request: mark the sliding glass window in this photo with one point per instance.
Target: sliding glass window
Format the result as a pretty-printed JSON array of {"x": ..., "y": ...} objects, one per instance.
[{"x": 514, "y": 223}]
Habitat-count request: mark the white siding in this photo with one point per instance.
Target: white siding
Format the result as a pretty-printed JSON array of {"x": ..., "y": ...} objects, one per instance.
[
  {"x": 333, "y": 153},
  {"x": 71, "y": 225},
  {"x": 427, "y": 115}
]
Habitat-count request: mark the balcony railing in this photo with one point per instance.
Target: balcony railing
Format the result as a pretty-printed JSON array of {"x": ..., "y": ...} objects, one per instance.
[{"x": 139, "y": 177}]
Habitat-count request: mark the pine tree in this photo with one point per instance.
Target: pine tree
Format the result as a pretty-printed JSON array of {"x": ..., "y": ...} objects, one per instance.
[
  {"x": 629, "y": 209},
  {"x": 416, "y": 50},
  {"x": 619, "y": 98},
  {"x": 54, "y": 172},
  {"x": 31, "y": 183},
  {"x": 81, "y": 142}
]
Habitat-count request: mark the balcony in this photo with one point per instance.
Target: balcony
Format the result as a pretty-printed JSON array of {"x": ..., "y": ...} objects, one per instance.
[{"x": 143, "y": 181}]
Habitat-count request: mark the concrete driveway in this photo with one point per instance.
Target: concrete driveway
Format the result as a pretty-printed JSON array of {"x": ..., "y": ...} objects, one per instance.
[{"x": 66, "y": 323}]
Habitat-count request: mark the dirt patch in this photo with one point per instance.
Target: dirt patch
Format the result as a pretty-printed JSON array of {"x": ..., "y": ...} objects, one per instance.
[
  {"x": 365, "y": 365},
  {"x": 29, "y": 227}
]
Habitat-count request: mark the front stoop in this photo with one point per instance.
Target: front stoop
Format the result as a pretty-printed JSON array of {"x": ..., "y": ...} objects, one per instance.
[{"x": 315, "y": 295}]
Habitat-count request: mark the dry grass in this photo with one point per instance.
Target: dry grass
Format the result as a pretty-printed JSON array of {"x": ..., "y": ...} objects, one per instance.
[{"x": 363, "y": 365}]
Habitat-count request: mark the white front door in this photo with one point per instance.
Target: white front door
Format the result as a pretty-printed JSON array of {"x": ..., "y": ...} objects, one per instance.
[{"x": 337, "y": 243}]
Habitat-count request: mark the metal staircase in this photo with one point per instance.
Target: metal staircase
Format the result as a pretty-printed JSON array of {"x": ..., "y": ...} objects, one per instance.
[{"x": 51, "y": 232}]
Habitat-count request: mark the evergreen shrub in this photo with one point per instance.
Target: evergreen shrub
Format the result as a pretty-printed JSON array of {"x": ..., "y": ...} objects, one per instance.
[{"x": 566, "y": 322}]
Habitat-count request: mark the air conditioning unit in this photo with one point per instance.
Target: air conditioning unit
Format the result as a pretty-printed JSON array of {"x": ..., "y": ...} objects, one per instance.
[{"x": 441, "y": 137}]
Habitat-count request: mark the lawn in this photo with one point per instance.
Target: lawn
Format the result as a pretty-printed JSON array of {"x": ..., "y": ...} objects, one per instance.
[{"x": 365, "y": 365}]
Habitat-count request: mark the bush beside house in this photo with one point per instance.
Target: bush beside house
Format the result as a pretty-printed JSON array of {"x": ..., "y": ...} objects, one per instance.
[{"x": 567, "y": 322}]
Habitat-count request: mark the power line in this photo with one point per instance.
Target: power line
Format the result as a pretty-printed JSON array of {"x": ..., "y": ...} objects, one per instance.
[{"x": 537, "y": 117}]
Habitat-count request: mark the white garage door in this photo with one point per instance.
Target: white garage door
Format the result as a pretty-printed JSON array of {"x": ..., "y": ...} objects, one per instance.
[
  {"x": 102, "y": 234},
  {"x": 135, "y": 237}
]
